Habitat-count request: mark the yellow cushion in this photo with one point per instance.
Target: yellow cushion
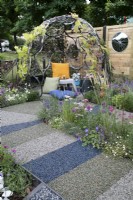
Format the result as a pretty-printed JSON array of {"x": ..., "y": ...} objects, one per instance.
[{"x": 60, "y": 70}]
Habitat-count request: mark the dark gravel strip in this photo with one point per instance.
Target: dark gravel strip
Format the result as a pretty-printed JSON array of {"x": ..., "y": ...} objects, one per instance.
[
  {"x": 19, "y": 137},
  {"x": 16, "y": 127},
  {"x": 61, "y": 161}
]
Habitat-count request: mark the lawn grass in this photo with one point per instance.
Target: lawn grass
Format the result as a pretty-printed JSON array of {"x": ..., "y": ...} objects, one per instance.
[{"x": 8, "y": 55}]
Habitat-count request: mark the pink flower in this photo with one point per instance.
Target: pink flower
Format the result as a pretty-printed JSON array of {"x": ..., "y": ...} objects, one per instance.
[
  {"x": 13, "y": 150},
  {"x": 88, "y": 108},
  {"x": 111, "y": 108},
  {"x": 6, "y": 146}
]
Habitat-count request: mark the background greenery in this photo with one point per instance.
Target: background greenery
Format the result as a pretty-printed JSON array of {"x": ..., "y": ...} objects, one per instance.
[{"x": 17, "y": 16}]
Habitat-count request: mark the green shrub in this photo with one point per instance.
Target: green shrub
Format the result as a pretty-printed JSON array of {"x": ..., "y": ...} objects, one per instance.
[
  {"x": 32, "y": 95},
  {"x": 124, "y": 101},
  {"x": 56, "y": 122},
  {"x": 20, "y": 41},
  {"x": 1, "y": 57},
  {"x": 128, "y": 102},
  {"x": 91, "y": 96},
  {"x": 2, "y": 101},
  {"x": 118, "y": 100}
]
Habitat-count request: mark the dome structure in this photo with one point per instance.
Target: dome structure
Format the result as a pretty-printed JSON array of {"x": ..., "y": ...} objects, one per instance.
[{"x": 71, "y": 39}]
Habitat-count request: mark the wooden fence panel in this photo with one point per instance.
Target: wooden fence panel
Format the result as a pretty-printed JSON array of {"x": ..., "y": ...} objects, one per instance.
[{"x": 122, "y": 62}]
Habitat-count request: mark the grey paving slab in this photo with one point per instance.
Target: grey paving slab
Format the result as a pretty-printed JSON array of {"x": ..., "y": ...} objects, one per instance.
[
  {"x": 40, "y": 146},
  {"x": 27, "y": 108},
  {"x": 91, "y": 179},
  {"x": 16, "y": 138},
  {"x": 10, "y": 118},
  {"x": 122, "y": 190}
]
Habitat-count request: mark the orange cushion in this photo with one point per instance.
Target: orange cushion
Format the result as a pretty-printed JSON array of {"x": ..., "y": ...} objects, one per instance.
[{"x": 60, "y": 70}]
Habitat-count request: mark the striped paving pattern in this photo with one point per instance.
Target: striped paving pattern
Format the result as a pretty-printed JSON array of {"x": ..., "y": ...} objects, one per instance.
[
  {"x": 61, "y": 161},
  {"x": 7, "y": 118},
  {"x": 91, "y": 179},
  {"x": 15, "y": 127},
  {"x": 73, "y": 171},
  {"x": 41, "y": 146}
]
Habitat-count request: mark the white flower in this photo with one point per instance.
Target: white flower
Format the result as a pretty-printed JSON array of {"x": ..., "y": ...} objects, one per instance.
[{"x": 67, "y": 97}]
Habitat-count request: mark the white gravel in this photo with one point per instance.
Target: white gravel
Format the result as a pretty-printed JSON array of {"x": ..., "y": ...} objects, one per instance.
[
  {"x": 122, "y": 190},
  {"x": 9, "y": 118},
  {"x": 40, "y": 146}
]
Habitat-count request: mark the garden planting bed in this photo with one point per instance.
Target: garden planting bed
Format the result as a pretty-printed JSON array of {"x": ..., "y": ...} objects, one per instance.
[
  {"x": 34, "y": 183},
  {"x": 22, "y": 183},
  {"x": 103, "y": 126}
]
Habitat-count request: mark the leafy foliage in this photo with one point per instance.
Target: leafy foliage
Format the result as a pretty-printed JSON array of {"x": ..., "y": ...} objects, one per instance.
[
  {"x": 17, "y": 16},
  {"x": 8, "y": 17},
  {"x": 109, "y": 12},
  {"x": 122, "y": 101},
  {"x": 15, "y": 178},
  {"x": 23, "y": 52},
  {"x": 32, "y": 95}
]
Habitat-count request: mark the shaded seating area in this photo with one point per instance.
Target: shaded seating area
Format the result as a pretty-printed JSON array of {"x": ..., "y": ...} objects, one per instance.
[{"x": 68, "y": 47}]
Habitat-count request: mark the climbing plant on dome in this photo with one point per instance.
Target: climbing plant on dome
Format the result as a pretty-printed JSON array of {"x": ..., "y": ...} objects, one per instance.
[
  {"x": 66, "y": 38},
  {"x": 24, "y": 54}
]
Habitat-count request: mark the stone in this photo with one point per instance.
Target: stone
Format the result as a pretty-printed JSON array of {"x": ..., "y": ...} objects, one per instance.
[{"x": 42, "y": 192}]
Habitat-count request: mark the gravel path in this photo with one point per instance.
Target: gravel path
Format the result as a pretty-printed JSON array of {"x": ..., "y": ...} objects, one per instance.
[
  {"x": 61, "y": 161},
  {"x": 122, "y": 190},
  {"x": 16, "y": 127},
  {"x": 10, "y": 118},
  {"x": 27, "y": 108},
  {"x": 28, "y": 134},
  {"x": 40, "y": 146},
  {"x": 92, "y": 178},
  {"x": 71, "y": 170}
]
